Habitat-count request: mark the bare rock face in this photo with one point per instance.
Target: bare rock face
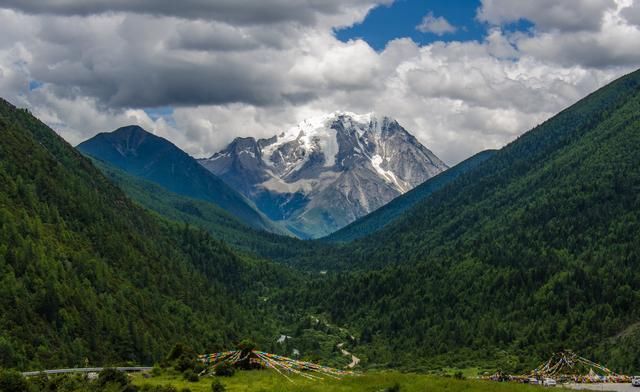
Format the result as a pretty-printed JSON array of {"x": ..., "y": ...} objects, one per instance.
[{"x": 326, "y": 172}]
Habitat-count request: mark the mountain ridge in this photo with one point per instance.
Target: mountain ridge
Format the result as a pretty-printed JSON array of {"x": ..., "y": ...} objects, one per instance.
[
  {"x": 154, "y": 158},
  {"x": 534, "y": 250},
  {"x": 327, "y": 171}
]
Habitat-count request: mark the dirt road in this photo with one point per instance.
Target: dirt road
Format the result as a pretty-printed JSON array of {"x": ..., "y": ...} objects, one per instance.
[{"x": 354, "y": 360}]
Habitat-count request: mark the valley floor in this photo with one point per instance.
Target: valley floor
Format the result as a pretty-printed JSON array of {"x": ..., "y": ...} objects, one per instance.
[{"x": 371, "y": 381}]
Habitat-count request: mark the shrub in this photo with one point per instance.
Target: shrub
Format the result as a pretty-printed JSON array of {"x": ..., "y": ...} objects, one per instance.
[
  {"x": 190, "y": 375},
  {"x": 199, "y": 367},
  {"x": 225, "y": 370},
  {"x": 394, "y": 388},
  {"x": 186, "y": 361},
  {"x": 112, "y": 376},
  {"x": 182, "y": 357},
  {"x": 39, "y": 382},
  {"x": 12, "y": 381},
  {"x": 217, "y": 386},
  {"x": 156, "y": 371},
  {"x": 247, "y": 345}
]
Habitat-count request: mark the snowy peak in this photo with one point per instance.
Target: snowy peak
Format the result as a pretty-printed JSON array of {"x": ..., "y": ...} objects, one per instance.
[
  {"x": 311, "y": 139},
  {"x": 327, "y": 170},
  {"x": 335, "y": 142}
]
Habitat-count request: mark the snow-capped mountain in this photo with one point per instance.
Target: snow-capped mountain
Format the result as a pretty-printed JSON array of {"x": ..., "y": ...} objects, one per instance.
[{"x": 327, "y": 171}]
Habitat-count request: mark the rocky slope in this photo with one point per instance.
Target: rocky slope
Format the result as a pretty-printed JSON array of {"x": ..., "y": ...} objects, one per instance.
[{"x": 326, "y": 172}]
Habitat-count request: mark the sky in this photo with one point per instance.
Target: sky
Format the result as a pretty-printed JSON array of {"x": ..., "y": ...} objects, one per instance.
[{"x": 462, "y": 76}]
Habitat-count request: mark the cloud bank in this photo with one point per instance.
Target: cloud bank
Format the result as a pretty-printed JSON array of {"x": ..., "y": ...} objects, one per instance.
[{"x": 236, "y": 68}]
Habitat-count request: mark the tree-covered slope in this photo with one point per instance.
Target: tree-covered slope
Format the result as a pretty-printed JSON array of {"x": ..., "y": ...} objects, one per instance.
[
  {"x": 562, "y": 185},
  {"x": 219, "y": 223},
  {"x": 538, "y": 251},
  {"x": 393, "y": 210},
  {"x": 85, "y": 273},
  {"x": 145, "y": 155}
]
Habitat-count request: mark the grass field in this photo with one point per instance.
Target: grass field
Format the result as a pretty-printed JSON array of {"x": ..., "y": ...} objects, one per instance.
[{"x": 267, "y": 380}]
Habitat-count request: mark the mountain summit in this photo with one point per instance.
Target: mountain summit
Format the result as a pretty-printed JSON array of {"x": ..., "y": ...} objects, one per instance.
[
  {"x": 327, "y": 171},
  {"x": 153, "y": 158}
]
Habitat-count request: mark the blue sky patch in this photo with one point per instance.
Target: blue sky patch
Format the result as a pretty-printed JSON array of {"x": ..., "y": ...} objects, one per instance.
[
  {"x": 35, "y": 84},
  {"x": 385, "y": 23},
  {"x": 165, "y": 112}
]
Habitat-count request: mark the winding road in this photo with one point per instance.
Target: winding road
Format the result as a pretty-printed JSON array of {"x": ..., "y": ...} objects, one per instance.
[{"x": 87, "y": 370}]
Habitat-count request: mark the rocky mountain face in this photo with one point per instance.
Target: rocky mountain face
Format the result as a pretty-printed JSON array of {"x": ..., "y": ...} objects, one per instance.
[{"x": 326, "y": 172}]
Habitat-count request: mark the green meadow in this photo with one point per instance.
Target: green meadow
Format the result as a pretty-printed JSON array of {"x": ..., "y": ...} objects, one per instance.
[{"x": 267, "y": 380}]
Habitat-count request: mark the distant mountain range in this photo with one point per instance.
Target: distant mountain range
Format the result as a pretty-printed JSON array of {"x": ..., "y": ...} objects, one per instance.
[
  {"x": 142, "y": 154},
  {"x": 327, "y": 171},
  {"x": 496, "y": 263}
]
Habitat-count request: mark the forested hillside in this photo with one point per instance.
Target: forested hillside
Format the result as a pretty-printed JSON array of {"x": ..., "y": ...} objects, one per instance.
[
  {"x": 87, "y": 274},
  {"x": 219, "y": 223},
  {"x": 535, "y": 252}
]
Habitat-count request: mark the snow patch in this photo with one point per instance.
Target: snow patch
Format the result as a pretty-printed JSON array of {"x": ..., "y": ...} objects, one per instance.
[
  {"x": 387, "y": 175},
  {"x": 315, "y": 134},
  {"x": 215, "y": 157},
  {"x": 248, "y": 152}
]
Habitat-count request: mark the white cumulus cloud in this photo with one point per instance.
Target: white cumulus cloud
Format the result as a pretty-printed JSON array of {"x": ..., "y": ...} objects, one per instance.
[
  {"x": 91, "y": 66},
  {"x": 436, "y": 25}
]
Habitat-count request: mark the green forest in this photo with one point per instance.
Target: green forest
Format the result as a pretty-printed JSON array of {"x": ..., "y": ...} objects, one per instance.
[
  {"x": 219, "y": 223},
  {"x": 532, "y": 250},
  {"x": 87, "y": 275}
]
